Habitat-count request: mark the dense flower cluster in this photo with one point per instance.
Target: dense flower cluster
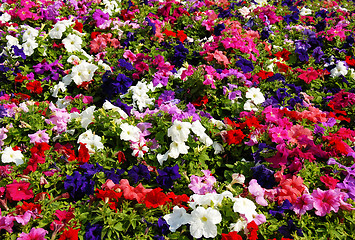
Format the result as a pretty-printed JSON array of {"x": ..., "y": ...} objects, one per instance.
[{"x": 177, "y": 119}]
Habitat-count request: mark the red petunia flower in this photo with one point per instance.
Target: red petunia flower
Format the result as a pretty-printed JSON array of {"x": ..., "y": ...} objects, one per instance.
[
  {"x": 20, "y": 78},
  {"x": 200, "y": 101},
  {"x": 329, "y": 181},
  {"x": 252, "y": 228},
  {"x": 20, "y": 210},
  {"x": 70, "y": 234},
  {"x": 264, "y": 75},
  {"x": 284, "y": 54},
  {"x": 40, "y": 148},
  {"x": 181, "y": 35},
  {"x": 155, "y": 198},
  {"x": 83, "y": 154},
  {"x": 34, "y": 87},
  {"x": 78, "y": 26},
  {"x": 350, "y": 62},
  {"x": 18, "y": 191},
  {"x": 169, "y": 33},
  {"x": 234, "y": 137},
  {"x": 231, "y": 236},
  {"x": 121, "y": 157}
]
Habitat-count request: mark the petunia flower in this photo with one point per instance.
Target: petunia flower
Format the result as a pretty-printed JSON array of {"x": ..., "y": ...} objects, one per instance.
[
  {"x": 35, "y": 233},
  {"x": 39, "y": 136},
  {"x": 325, "y": 201},
  {"x": 6, "y": 222},
  {"x": 258, "y": 192},
  {"x": 72, "y": 42},
  {"x": 303, "y": 203},
  {"x": 177, "y": 218},
  {"x": 9, "y": 155},
  {"x": 203, "y": 222}
]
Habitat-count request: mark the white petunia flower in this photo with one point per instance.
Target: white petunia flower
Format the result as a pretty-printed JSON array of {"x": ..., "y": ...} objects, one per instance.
[
  {"x": 203, "y": 222},
  {"x": 162, "y": 158},
  {"x": 305, "y": 11},
  {"x": 178, "y": 218},
  {"x": 30, "y": 33},
  {"x": 249, "y": 105},
  {"x": 208, "y": 199},
  {"x": 72, "y": 43},
  {"x": 12, "y": 41},
  {"x": 352, "y": 73},
  {"x": 199, "y": 130},
  {"x": 177, "y": 148},
  {"x": 29, "y": 46},
  {"x": 84, "y": 72},
  {"x": 55, "y": 90},
  {"x": 130, "y": 132},
  {"x": 218, "y": 148},
  {"x": 92, "y": 141},
  {"x": 140, "y": 96},
  {"x": 255, "y": 95},
  {"x": 107, "y": 105},
  {"x": 73, "y": 59},
  {"x": 85, "y": 136},
  {"x": 246, "y": 207},
  {"x": 9, "y": 156},
  {"x": 340, "y": 69},
  {"x": 218, "y": 123},
  {"x": 5, "y": 17},
  {"x": 57, "y": 31},
  {"x": 239, "y": 225},
  {"x": 87, "y": 116},
  {"x": 179, "y": 131}
]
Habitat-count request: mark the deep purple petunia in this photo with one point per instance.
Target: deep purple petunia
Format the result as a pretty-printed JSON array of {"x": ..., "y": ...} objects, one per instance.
[
  {"x": 245, "y": 65},
  {"x": 93, "y": 232},
  {"x": 286, "y": 231},
  {"x": 114, "y": 175},
  {"x": 167, "y": 176},
  {"x": 139, "y": 172},
  {"x": 79, "y": 185}
]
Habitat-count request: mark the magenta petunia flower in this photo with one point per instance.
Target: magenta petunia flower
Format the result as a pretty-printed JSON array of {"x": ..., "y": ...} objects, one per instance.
[
  {"x": 18, "y": 191},
  {"x": 303, "y": 203},
  {"x": 325, "y": 201},
  {"x": 6, "y": 222}
]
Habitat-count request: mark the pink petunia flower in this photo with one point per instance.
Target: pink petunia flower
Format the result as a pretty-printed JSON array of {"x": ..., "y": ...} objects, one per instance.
[
  {"x": 303, "y": 203},
  {"x": 258, "y": 192},
  {"x": 34, "y": 234},
  {"x": 40, "y": 136},
  {"x": 6, "y": 222},
  {"x": 325, "y": 201}
]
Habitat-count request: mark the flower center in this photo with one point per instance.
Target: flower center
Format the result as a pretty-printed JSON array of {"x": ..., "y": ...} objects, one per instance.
[{"x": 204, "y": 219}]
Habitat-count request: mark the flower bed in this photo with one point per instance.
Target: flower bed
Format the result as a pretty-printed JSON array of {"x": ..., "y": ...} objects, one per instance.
[{"x": 177, "y": 119}]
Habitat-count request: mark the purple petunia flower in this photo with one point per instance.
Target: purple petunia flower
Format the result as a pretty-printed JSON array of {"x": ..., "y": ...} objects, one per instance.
[
  {"x": 245, "y": 65},
  {"x": 167, "y": 176},
  {"x": 139, "y": 172},
  {"x": 100, "y": 17},
  {"x": 286, "y": 231},
  {"x": 93, "y": 232}
]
